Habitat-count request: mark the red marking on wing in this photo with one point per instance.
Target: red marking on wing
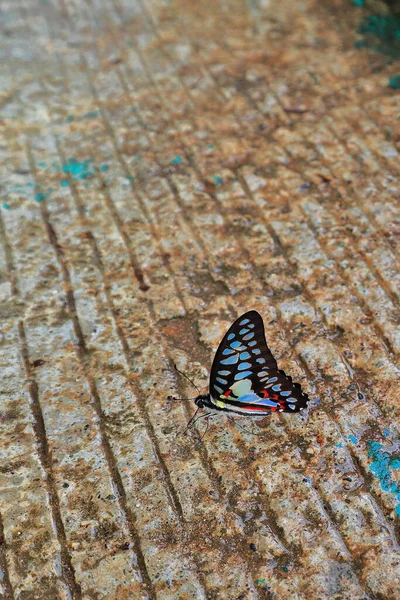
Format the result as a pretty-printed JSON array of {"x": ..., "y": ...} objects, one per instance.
[
  {"x": 226, "y": 394},
  {"x": 257, "y": 408}
]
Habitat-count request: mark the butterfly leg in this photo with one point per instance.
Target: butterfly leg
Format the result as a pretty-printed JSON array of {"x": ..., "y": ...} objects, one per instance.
[
  {"x": 208, "y": 415},
  {"x": 203, "y": 416}
]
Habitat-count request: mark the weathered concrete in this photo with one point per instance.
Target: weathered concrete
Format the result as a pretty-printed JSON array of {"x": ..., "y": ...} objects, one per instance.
[{"x": 165, "y": 166}]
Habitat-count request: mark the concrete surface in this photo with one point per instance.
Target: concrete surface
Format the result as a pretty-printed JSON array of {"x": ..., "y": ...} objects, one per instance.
[{"x": 165, "y": 166}]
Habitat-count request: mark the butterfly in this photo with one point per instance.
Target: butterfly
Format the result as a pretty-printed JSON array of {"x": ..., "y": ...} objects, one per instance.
[{"x": 245, "y": 378}]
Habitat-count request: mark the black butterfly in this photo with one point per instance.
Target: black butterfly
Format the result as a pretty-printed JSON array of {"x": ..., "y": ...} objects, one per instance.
[{"x": 245, "y": 378}]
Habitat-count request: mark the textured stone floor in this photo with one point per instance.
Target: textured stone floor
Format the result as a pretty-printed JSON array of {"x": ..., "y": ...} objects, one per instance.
[{"x": 165, "y": 166}]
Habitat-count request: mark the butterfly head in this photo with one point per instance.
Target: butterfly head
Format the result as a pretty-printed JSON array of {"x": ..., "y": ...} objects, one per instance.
[{"x": 203, "y": 400}]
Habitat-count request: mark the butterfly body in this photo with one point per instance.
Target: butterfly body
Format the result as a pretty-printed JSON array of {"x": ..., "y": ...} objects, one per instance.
[{"x": 245, "y": 378}]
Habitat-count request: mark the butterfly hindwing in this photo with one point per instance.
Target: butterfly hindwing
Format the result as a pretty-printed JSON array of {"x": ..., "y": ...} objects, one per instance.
[{"x": 245, "y": 377}]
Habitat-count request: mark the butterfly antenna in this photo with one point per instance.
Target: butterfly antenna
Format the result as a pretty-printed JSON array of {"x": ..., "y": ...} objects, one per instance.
[{"x": 188, "y": 378}]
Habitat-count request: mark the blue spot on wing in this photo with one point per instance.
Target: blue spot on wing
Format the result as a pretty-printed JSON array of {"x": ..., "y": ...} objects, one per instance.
[
  {"x": 243, "y": 375},
  {"x": 277, "y": 387},
  {"x": 220, "y": 380},
  {"x": 218, "y": 389},
  {"x": 230, "y": 336},
  {"x": 244, "y": 356},
  {"x": 243, "y": 366},
  {"x": 225, "y": 373},
  {"x": 255, "y": 351},
  {"x": 243, "y": 331},
  {"x": 252, "y": 398},
  {"x": 260, "y": 360},
  {"x": 235, "y": 344},
  {"x": 244, "y": 322},
  {"x": 283, "y": 393},
  {"x": 253, "y": 343},
  {"x": 232, "y": 360},
  {"x": 248, "y": 336},
  {"x": 227, "y": 351}
]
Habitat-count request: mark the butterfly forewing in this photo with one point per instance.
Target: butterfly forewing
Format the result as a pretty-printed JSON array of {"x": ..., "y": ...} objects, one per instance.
[{"x": 245, "y": 377}]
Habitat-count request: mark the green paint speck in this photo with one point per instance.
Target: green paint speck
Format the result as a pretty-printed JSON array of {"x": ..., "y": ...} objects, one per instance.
[
  {"x": 217, "y": 179},
  {"x": 64, "y": 182},
  {"x": 261, "y": 580},
  {"x": 352, "y": 439},
  {"x": 6, "y": 206},
  {"x": 359, "y": 3},
  {"x": 42, "y": 165},
  {"x": 69, "y": 118},
  {"x": 394, "y": 82},
  {"x": 104, "y": 167},
  {"x": 285, "y": 568},
  {"x": 176, "y": 160},
  {"x": 211, "y": 147},
  {"x": 93, "y": 114}
]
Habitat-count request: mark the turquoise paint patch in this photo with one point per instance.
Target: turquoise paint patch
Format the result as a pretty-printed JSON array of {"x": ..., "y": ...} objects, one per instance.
[
  {"x": 79, "y": 170},
  {"x": 353, "y": 439},
  {"x": 104, "y": 168},
  {"x": 285, "y": 568},
  {"x": 339, "y": 445},
  {"x": 359, "y": 3},
  {"x": 394, "y": 82},
  {"x": 176, "y": 160},
  {"x": 381, "y": 468},
  {"x": 6, "y": 206},
  {"x": 211, "y": 147},
  {"x": 217, "y": 179},
  {"x": 40, "y": 197},
  {"x": 69, "y": 119},
  {"x": 42, "y": 165},
  {"x": 64, "y": 182},
  {"x": 386, "y": 433},
  {"x": 261, "y": 580},
  {"x": 381, "y": 33}
]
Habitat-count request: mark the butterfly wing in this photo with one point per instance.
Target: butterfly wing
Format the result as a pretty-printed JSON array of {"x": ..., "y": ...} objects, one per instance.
[{"x": 245, "y": 377}]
